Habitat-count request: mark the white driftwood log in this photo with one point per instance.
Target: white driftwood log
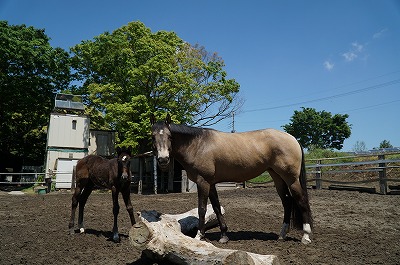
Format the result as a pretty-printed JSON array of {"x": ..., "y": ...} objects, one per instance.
[{"x": 162, "y": 237}]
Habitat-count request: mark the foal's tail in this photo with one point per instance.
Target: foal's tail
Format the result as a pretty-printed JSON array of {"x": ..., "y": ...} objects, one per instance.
[{"x": 301, "y": 209}]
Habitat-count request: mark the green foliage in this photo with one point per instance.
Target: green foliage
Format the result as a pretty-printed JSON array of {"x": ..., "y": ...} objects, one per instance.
[
  {"x": 30, "y": 72},
  {"x": 319, "y": 129},
  {"x": 130, "y": 73},
  {"x": 385, "y": 144},
  {"x": 323, "y": 153}
]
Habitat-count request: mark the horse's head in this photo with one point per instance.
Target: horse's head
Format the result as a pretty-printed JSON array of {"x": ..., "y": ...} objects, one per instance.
[
  {"x": 161, "y": 134},
  {"x": 124, "y": 160}
]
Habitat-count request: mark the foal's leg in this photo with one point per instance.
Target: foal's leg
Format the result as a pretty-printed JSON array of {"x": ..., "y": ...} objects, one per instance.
[
  {"x": 203, "y": 190},
  {"x": 115, "y": 193},
  {"x": 126, "y": 195},
  {"x": 75, "y": 201},
  {"x": 286, "y": 198},
  {"x": 217, "y": 209},
  {"x": 301, "y": 200},
  {"x": 82, "y": 202}
]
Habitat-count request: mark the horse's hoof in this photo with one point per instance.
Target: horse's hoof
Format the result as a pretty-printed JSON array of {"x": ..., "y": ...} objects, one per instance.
[
  {"x": 199, "y": 236},
  {"x": 116, "y": 238},
  {"x": 306, "y": 239},
  {"x": 81, "y": 230},
  {"x": 223, "y": 239},
  {"x": 281, "y": 238}
]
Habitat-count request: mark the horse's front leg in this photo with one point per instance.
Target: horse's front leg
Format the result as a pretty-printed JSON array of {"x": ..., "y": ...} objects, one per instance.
[
  {"x": 87, "y": 190},
  {"x": 203, "y": 190},
  {"x": 217, "y": 209},
  {"x": 115, "y": 193},
  {"x": 126, "y": 195}
]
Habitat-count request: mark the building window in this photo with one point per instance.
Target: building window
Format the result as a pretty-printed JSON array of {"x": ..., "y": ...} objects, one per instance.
[{"x": 73, "y": 124}]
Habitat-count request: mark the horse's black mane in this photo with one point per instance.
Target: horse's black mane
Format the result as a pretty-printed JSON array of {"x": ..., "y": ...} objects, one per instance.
[
  {"x": 188, "y": 130},
  {"x": 184, "y": 129}
]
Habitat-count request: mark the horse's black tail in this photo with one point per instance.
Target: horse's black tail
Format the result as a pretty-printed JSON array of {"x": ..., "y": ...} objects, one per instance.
[{"x": 301, "y": 207}]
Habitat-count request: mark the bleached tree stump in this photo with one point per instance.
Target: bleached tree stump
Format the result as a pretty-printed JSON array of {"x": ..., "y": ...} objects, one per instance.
[{"x": 162, "y": 237}]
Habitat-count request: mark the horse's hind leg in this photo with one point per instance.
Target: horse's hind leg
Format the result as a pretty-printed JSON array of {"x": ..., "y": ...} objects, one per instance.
[
  {"x": 287, "y": 202},
  {"x": 82, "y": 202},
  {"x": 75, "y": 201},
  {"x": 304, "y": 216},
  {"x": 217, "y": 209}
]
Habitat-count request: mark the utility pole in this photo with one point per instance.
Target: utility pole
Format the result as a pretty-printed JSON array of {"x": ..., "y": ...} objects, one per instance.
[{"x": 233, "y": 122}]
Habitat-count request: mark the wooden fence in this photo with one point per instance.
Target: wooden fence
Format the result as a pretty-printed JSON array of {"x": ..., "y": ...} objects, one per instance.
[{"x": 367, "y": 172}]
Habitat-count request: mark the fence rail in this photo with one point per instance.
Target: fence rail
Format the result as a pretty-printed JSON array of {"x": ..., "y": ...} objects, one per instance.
[
  {"x": 375, "y": 170},
  {"x": 32, "y": 179}
]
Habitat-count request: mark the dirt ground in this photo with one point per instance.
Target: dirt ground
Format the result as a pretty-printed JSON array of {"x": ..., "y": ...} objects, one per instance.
[{"x": 350, "y": 227}]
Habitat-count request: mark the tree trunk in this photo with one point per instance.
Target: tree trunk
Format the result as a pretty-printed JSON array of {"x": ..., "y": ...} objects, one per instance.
[{"x": 164, "y": 237}]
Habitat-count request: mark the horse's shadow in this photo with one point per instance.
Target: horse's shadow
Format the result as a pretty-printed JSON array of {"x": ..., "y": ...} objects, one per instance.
[
  {"x": 247, "y": 235},
  {"x": 105, "y": 234}
]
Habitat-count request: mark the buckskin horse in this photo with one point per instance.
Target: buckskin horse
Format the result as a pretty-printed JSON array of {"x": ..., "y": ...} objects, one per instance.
[
  {"x": 211, "y": 156},
  {"x": 95, "y": 171}
]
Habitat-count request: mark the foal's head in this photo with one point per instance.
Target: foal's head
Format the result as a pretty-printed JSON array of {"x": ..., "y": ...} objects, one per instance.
[
  {"x": 124, "y": 161},
  {"x": 161, "y": 134}
]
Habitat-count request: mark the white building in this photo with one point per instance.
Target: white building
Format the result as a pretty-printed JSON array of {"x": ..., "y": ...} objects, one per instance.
[
  {"x": 67, "y": 139},
  {"x": 67, "y": 142}
]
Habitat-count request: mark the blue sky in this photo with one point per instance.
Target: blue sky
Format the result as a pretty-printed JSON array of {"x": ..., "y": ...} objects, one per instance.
[{"x": 340, "y": 56}]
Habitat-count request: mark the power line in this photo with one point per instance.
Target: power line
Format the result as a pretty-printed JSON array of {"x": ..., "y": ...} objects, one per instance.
[
  {"x": 334, "y": 88},
  {"x": 371, "y": 106},
  {"x": 329, "y": 97}
]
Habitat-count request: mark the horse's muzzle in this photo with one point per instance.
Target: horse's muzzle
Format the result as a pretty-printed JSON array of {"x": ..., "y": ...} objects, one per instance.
[
  {"x": 163, "y": 163},
  {"x": 124, "y": 176}
]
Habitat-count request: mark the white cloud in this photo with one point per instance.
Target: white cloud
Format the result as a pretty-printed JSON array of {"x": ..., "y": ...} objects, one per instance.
[
  {"x": 349, "y": 56},
  {"x": 379, "y": 34},
  {"x": 328, "y": 65},
  {"x": 354, "y": 52},
  {"x": 357, "y": 47}
]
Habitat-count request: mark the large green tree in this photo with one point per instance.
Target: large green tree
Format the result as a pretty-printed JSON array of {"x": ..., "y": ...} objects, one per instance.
[
  {"x": 30, "y": 72},
  {"x": 132, "y": 72},
  {"x": 319, "y": 129}
]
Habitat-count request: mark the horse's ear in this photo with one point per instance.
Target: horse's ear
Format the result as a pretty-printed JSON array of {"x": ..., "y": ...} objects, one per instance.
[
  {"x": 168, "y": 119},
  {"x": 118, "y": 150},
  {"x": 130, "y": 150},
  {"x": 152, "y": 119}
]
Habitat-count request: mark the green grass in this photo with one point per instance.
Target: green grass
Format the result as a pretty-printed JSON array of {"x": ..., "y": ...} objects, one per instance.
[
  {"x": 264, "y": 177},
  {"x": 323, "y": 153}
]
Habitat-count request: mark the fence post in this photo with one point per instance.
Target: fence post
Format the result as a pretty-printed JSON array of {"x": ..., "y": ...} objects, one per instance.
[
  {"x": 141, "y": 165},
  {"x": 155, "y": 173},
  {"x": 184, "y": 186},
  {"x": 48, "y": 184},
  {"x": 382, "y": 175},
  {"x": 318, "y": 182},
  {"x": 171, "y": 175}
]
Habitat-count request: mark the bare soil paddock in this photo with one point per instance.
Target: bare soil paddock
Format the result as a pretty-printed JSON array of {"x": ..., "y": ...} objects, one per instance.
[{"x": 350, "y": 227}]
